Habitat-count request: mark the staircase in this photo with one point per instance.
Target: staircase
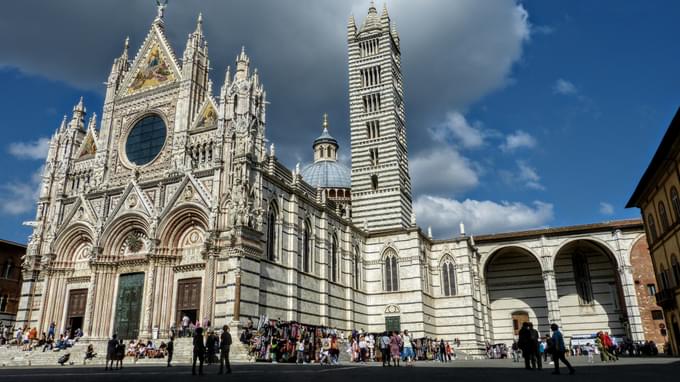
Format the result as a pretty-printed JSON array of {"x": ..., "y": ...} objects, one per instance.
[{"x": 13, "y": 356}]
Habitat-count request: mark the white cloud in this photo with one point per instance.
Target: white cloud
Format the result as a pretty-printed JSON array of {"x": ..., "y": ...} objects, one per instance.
[
  {"x": 442, "y": 171},
  {"x": 564, "y": 87},
  {"x": 518, "y": 139},
  {"x": 458, "y": 128},
  {"x": 528, "y": 176},
  {"x": 480, "y": 216},
  {"x": 606, "y": 208},
  {"x": 30, "y": 150},
  {"x": 19, "y": 197},
  {"x": 525, "y": 176}
]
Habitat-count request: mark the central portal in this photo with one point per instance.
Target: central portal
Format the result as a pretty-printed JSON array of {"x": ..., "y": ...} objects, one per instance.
[
  {"x": 188, "y": 300},
  {"x": 129, "y": 305}
]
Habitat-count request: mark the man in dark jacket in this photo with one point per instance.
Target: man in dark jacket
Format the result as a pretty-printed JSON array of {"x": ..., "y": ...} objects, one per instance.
[
  {"x": 535, "y": 354},
  {"x": 171, "y": 349},
  {"x": 111, "y": 352},
  {"x": 225, "y": 343},
  {"x": 524, "y": 343},
  {"x": 199, "y": 351}
]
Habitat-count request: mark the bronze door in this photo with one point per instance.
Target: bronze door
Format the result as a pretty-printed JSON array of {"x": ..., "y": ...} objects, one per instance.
[
  {"x": 188, "y": 300},
  {"x": 129, "y": 305},
  {"x": 75, "y": 311}
]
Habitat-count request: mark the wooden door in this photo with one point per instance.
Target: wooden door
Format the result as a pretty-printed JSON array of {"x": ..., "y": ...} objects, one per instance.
[
  {"x": 188, "y": 299},
  {"x": 75, "y": 311},
  {"x": 519, "y": 318}
]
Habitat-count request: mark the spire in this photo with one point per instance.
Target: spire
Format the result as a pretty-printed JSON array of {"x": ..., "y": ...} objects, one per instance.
[
  {"x": 92, "y": 123},
  {"x": 78, "y": 115},
  {"x": 242, "y": 63},
  {"x": 325, "y": 122},
  {"x": 384, "y": 10},
  {"x": 199, "y": 25},
  {"x": 62, "y": 127},
  {"x": 126, "y": 47},
  {"x": 372, "y": 9}
]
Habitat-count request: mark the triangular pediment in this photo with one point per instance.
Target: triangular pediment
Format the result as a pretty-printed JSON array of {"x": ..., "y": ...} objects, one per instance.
[
  {"x": 132, "y": 200},
  {"x": 190, "y": 190},
  {"x": 207, "y": 115},
  {"x": 88, "y": 148},
  {"x": 154, "y": 66},
  {"x": 81, "y": 212}
]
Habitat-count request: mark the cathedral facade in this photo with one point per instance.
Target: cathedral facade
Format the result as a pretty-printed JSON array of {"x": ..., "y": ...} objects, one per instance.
[{"x": 170, "y": 205}]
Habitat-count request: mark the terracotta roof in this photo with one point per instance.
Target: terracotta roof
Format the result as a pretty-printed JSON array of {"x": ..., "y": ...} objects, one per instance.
[{"x": 603, "y": 226}]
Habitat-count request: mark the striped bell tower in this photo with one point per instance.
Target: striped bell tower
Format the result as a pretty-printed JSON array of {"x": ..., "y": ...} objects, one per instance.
[{"x": 381, "y": 185}]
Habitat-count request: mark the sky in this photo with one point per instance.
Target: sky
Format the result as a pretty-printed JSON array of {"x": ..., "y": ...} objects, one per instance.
[{"x": 520, "y": 114}]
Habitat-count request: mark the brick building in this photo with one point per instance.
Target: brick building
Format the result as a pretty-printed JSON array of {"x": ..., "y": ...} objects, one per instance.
[
  {"x": 645, "y": 288},
  {"x": 10, "y": 279}
]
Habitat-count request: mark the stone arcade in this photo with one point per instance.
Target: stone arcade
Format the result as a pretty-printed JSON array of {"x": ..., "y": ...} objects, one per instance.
[{"x": 174, "y": 206}]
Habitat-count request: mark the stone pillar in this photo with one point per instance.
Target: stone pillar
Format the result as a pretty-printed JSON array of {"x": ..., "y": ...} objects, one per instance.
[
  {"x": 26, "y": 302},
  {"x": 632, "y": 309},
  {"x": 209, "y": 289},
  {"x": 552, "y": 298},
  {"x": 89, "y": 308},
  {"x": 146, "y": 330}
]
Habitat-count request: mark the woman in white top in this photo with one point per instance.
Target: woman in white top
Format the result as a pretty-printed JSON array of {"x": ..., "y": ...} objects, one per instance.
[{"x": 409, "y": 355}]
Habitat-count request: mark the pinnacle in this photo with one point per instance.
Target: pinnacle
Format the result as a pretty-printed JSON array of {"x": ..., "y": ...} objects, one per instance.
[{"x": 325, "y": 121}]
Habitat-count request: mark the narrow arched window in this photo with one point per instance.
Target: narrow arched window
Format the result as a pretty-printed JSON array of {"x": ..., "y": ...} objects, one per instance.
[
  {"x": 652, "y": 226},
  {"x": 675, "y": 200},
  {"x": 448, "y": 278},
  {"x": 3, "y": 302},
  {"x": 306, "y": 249},
  {"x": 584, "y": 286},
  {"x": 663, "y": 217},
  {"x": 334, "y": 258},
  {"x": 676, "y": 269},
  {"x": 391, "y": 272},
  {"x": 271, "y": 234},
  {"x": 8, "y": 269},
  {"x": 357, "y": 268}
]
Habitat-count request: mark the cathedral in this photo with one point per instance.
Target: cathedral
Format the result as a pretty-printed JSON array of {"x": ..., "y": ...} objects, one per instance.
[{"x": 171, "y": 204}]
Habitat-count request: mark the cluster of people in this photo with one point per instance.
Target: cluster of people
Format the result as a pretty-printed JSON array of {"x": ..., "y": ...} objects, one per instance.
[
  {"x": 535, "y": 350},
  {"x": 188, "y": 327},
  {"x": 28, "y": 339},
  {"x": 498, "y": 351},
  {"x": 148, "y": 349}
]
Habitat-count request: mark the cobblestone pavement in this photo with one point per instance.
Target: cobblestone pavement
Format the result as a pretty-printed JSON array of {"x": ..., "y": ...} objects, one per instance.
[{"x": 639, "y": 369}]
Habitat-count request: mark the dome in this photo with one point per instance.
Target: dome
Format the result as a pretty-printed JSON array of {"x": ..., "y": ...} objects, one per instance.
[{"x": 327, "y": 174}]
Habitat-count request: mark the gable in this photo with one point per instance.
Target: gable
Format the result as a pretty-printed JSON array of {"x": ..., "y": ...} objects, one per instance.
[
  {"x": 207, "y": 115},
  {"x": 154, "y": 65},
  {"x": 132, "y": 200},
  {"x": 89, "y": 146}
]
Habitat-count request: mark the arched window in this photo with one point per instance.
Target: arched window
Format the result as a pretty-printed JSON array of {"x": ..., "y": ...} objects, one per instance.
[
  {"x": 334, "y": 258},
  {"x": 391, "y": 272},
  {"x": 3, "y": 302},
  {"x": 271, "y": 233},
  {"x": 7, "y": 271},
  {"x": 584, "y": 286},
  {"x": 663, "y": 217},
  {"x": 652, "y": 226},
  {"x": 306, "y": 248},
  {"x": 664, "y": 279},
  {"x": 676, "y": 269},
  {"x": 357, "y": 268},
  {"x": 448, "y": 277},
  {"x": 675, "y": 201}
]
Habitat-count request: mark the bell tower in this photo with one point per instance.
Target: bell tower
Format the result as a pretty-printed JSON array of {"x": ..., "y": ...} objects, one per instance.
[{"x": 381, "y": 185}]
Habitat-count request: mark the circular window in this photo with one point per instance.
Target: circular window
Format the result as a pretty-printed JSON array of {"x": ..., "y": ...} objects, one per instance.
[{"x": 145, "y": 140}]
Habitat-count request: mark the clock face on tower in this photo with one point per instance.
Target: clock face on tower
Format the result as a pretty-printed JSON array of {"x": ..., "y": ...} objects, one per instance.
[{"x": 145, "y": 140}]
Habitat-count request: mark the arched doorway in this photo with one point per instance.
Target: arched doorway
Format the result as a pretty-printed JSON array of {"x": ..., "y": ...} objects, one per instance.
[
  {"x": 516, "y": 293},
  {"x": 589, "y": 290}
]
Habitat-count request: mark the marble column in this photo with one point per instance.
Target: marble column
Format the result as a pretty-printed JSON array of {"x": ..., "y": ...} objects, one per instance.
[
  {"x": 551, "y": 297},
  {"x": 632, "y": 308}
]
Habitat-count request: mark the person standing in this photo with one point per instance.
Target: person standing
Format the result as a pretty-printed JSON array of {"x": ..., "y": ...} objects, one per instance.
[
  {"x": 524, "y": 343},
  {"x": 170, "y": 349},
  {"x": 185, "y": 326},
  {"x": 225, "y": 344},
  {"x": 111, "y": 352},
  {"x": 199, "y": 352},
  {"x": 384, "y": 344},
  {"x": 409, "y": 355},
  {"x": 535, "y": 352},
  {"x": 559, "y": 349},
  {"x": 395, "y": 345}
]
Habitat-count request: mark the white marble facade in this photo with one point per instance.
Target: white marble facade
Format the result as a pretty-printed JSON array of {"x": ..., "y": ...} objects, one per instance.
[{"x": 216, "y": 207}]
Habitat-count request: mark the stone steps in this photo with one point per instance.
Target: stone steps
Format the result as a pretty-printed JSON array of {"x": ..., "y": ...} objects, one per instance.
[{"x": 14, "y": 356}]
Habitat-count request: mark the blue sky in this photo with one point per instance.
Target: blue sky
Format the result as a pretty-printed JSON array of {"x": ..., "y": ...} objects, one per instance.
[{"x": 519, "y": 114}]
